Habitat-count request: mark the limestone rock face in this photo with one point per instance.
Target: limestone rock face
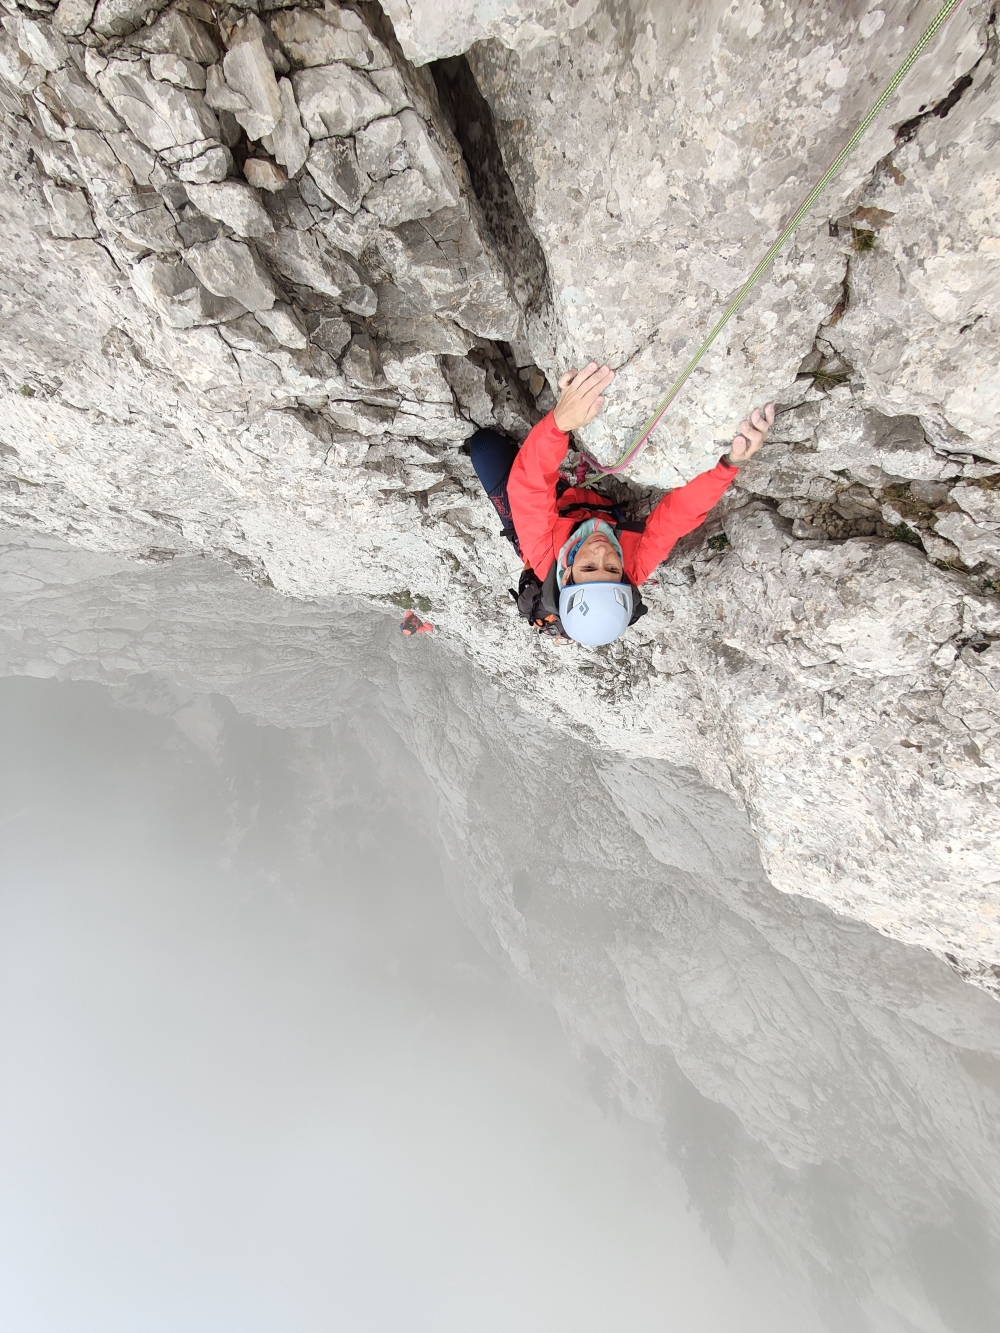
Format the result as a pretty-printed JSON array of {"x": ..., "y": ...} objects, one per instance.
[
  {"x": 333, "y": 99},
  {"x": 265, "y": 273},
  {"x": 114, "y": 18},
  {"x": 289, "y": 140},
  {"x": 177, "y": 32},
  {"x": 234, "y": 204},
  {"x": 379, "y": 147},
  {"x": 312, "y": 38},
  {"x": 427, "y": 31},
  {"x": 175, "y": 69},
  {"x": 656, "y": 167},
  {"x": 249, "y": 72},
  {"x": 333, "y": 165},
  {"x": 229, "y": 268},
  {"x": 159, "y": 114},
  {"x": 72, "y": 17},
  {"x": 213, "y": 165},
  {"x": 175, "y": 294},
  {"x": 69, "y": 212}
]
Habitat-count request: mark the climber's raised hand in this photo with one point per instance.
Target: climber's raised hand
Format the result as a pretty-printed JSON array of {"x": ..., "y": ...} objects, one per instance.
[
  {"x": 752, "y": 434},
  {"x": 581, "y": 399}
]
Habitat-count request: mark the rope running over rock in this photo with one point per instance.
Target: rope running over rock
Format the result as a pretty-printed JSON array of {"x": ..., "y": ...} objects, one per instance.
[{"x": 633, "y": 449}]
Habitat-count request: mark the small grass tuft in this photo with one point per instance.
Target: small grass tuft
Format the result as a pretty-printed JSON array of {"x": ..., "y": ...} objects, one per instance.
[
  {"x": 404, "y": 599},
  {"x": 862, "y": 240},
  {"x": 422, "y": 603},
  {"x": 903, "y": 533},
  {"x": 26, "y": 391},
  {"x": 829, "y": 379},
  {"x": 719, "y": 542}
]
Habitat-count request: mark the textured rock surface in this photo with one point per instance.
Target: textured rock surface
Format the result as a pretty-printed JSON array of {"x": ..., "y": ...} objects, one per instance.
[
  {"x": 657, "y": 158},
  {"x": 277, "y": 364},
  {"x": 823, "y": 1090}
]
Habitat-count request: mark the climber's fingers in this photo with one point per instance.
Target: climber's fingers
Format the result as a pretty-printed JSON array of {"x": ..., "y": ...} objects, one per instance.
[
  {"x": 581, "y": 396},
  {"x": 753, "y": 432},
  {"x": 590, "y": 380},
  {"x": 593, "y": 410},
  {"x": 566, "y": 380}
]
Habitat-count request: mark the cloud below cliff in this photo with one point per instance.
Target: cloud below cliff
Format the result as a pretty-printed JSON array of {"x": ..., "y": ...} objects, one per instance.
[{"x": 261, "y": 1077}]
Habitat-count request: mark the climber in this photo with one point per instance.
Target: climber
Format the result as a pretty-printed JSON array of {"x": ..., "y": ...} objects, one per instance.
[
  {"x": 583, "y": 562},
  {"x": 412, "y": 624}
]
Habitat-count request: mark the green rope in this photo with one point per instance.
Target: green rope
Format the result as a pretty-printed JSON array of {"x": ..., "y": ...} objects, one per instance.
[{"x": 938, "y": 22}]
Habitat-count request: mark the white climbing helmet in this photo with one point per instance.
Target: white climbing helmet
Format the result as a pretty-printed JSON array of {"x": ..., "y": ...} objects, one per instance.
[{"x": 595, "y": 613}]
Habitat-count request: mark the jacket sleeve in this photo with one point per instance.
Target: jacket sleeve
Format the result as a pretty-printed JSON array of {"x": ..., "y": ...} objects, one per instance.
[
  {"x": 678, "y": 513},
  {"x": 531, "y": 489}
]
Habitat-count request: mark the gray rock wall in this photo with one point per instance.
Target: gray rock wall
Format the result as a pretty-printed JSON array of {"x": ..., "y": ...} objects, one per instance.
[{"x": 260, "y": 283}]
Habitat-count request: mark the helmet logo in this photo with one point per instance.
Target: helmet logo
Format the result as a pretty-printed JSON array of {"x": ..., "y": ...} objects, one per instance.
[{"x": 611, "y": 605}]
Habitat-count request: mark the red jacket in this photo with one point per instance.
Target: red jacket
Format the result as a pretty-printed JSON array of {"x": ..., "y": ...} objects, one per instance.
[{"x": 542, "y": 530}]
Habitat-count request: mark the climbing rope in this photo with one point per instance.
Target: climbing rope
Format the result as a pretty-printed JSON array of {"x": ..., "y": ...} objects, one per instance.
[{"x": 938, "y": 22}]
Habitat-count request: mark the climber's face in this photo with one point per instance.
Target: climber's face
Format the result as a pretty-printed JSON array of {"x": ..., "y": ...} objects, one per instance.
[{"x": 597, "y": 561}]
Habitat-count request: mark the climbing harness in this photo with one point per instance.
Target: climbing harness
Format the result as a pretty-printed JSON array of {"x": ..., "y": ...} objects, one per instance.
[
  {"x": 537, "y": 600},
  {"x": 633, "y": 449}
]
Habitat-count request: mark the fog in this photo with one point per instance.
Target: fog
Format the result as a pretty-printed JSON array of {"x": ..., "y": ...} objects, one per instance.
[
  {"x": 339, "y": 992},
  {"x": 259, "y": 1076}
]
